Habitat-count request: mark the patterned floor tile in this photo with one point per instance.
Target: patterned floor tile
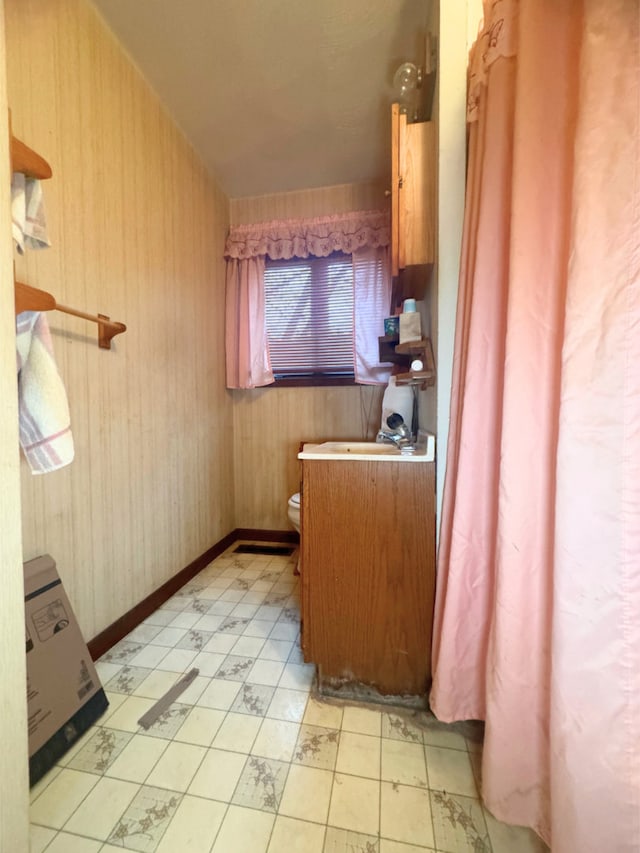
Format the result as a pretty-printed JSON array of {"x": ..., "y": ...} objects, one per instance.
[
  {"x": 253, "y": 699},
  {"x": 127, "y": 679},
  {"x": 261, "y": 783},
  {"x": 400, "y": 728},
  {"x": 235, "y": 668},
  {"x": 100, "y": 751},
  {"x": 248, "y": 758},
  {"x": 169, "y": 722},
  {"x": 122, "y": 652},
  {"x": 194, "y": 639},
  {"x": 317, "y": 747},
  {"x": 458, "y": 824},
  {"x": 142, "y": 825},
  {"x": 234, "y": 625}
]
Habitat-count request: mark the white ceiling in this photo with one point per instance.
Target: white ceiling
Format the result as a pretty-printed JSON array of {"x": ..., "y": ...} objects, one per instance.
[{"x": 276, "y": 95}]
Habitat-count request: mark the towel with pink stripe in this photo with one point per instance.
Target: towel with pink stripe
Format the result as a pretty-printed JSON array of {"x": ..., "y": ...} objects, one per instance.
[{"x": 45, "y": 425}]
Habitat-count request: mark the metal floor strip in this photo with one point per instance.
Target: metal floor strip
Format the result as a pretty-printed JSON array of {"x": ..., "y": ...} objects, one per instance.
[{"x": 165, "y": 702}]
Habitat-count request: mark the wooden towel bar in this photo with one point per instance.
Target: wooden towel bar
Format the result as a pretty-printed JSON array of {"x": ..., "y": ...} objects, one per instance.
[{"x": 25, "y": 160}]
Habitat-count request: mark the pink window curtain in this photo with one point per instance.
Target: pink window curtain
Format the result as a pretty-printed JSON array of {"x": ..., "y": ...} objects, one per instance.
[
  {"x": 537, "y": 624},
  {"x": 247, "y": 354},
  {"x": 360, "y": 233},
  {"x": 372, "y": 298}
]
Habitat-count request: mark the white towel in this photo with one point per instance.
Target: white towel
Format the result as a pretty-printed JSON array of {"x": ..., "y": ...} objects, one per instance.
[
  {"x": 27, "y": 213},
  {"x": 45, "y": 428}
]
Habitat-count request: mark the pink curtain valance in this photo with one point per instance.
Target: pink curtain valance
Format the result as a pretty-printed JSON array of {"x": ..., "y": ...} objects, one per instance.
[
  {"x": 299, "y": 238},
  {"x": 498, "y": 38}
]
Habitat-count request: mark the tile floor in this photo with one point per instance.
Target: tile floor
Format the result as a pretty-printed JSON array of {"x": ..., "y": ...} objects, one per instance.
[{"x": 248, "y": 760}]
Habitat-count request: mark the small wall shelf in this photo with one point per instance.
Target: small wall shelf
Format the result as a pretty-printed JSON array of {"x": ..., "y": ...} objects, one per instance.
[
  {"x": 31, "y": 164},
  {"x": 403, "y": 354}
]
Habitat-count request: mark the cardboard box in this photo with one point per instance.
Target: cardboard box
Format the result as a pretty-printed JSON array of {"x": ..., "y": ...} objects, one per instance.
[{"x": 64, "y": 693}]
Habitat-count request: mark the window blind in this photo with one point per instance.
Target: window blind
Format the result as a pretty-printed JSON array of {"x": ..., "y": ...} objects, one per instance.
[{"x": 309, "y": 316}]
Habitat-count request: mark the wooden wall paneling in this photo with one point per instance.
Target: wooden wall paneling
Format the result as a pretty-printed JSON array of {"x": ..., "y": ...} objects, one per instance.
[
  {"x": 14, "y": 785},
  {"x": 270, "y": 423},
  {"x": 137, "y": 228},
  {"x": 321, "y": 201}
]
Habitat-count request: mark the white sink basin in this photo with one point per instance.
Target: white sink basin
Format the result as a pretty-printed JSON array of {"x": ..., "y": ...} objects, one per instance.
[{"x": 363, "y": 451}]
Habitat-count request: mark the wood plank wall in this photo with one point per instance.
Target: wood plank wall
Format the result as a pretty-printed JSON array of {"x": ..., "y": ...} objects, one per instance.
[
  {"x": 137, "y": 229},
  {"x": 269, "y": 423},
  {"x": 14, "y": 786}
]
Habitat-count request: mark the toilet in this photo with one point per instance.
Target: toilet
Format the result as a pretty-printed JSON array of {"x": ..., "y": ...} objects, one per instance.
[{"x": 293, "y": 510}]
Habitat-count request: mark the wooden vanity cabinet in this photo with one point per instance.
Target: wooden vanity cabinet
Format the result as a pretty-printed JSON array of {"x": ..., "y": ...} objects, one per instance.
[{"x": 368, "y": 577}]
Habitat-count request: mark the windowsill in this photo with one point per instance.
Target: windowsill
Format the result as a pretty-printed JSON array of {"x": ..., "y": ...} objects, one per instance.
[{"x": 312, "y": 381}]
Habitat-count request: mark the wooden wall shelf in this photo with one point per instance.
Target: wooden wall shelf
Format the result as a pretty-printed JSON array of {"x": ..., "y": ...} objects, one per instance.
[
  {"x": 25, "y": 160},
  {"x": 403, "y": 354},
  {"x": 31, "y": 164},
  {"x": 32, "y": 299}
]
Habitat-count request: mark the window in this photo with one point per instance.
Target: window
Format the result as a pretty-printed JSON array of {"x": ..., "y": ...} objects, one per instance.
[{"x": 309, "y": 319}]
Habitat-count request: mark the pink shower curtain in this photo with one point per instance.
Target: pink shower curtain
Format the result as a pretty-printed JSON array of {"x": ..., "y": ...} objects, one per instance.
[{"x": 537, "y": 627}]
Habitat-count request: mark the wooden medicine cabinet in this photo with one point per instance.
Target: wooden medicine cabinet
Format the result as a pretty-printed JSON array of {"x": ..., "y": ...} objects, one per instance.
[{"x": 413, "y": 219}]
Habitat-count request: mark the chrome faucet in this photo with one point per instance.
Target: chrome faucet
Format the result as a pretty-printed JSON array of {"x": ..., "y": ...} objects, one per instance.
[{"x": 397, "y": 434}]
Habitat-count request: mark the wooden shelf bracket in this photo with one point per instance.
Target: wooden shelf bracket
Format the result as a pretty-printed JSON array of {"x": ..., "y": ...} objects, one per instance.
[
  {"x": 25, "y": 160},
  {"x": 32, "y": 299}
]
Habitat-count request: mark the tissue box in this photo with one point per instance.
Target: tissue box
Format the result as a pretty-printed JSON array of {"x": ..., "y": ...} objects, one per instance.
[
  {"x": 392, "y": 327},
  {"x": 64, "y": 693},
  {"x": 410, "y": 327}
]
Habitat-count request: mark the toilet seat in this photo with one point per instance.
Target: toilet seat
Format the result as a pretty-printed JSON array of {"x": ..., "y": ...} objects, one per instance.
[{"x": 294, "y": 500}]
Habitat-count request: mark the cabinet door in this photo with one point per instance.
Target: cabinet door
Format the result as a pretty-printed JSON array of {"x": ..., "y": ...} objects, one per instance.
[
  {"x": 369, "y": 573},
  {"x": 395, "y": 189},
  {"x": 416, "y": 215},
  {"x": 412, "y": 192}
]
